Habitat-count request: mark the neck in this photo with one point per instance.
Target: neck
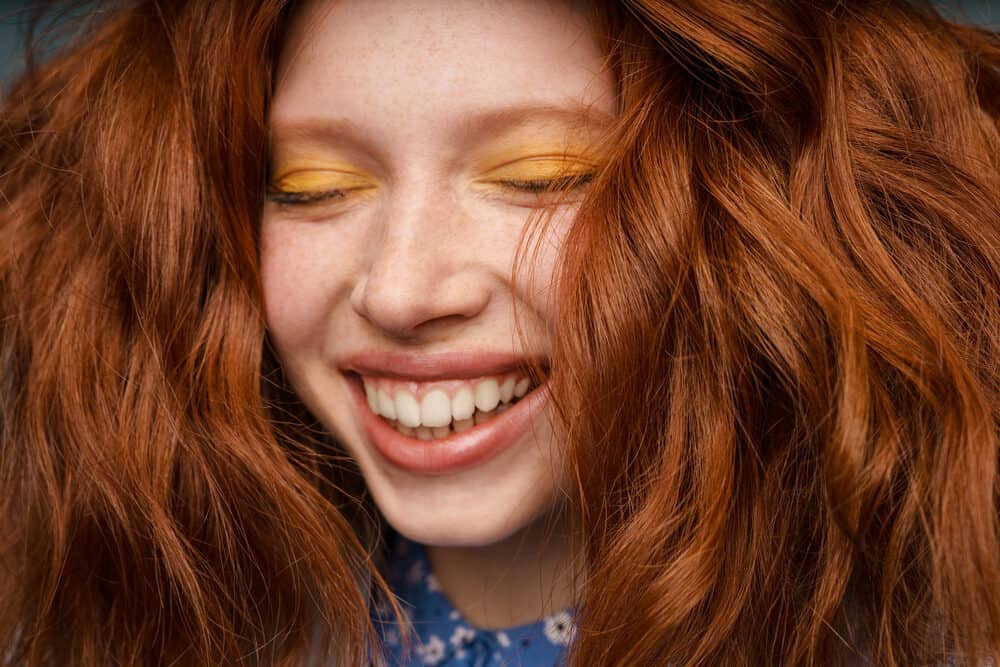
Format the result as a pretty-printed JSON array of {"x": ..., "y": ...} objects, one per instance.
[{"x": 515, "y": 581}]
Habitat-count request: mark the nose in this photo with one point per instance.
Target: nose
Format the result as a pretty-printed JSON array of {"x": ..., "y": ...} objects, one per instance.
[{"x": 424, "y": 269}]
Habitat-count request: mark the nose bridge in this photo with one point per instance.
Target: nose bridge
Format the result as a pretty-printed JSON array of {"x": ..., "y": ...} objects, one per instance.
[{"x": 419, "y": 269}]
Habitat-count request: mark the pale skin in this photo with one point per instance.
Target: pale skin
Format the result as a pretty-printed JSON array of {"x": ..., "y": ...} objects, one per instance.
[{"x": 431, "y": 120}]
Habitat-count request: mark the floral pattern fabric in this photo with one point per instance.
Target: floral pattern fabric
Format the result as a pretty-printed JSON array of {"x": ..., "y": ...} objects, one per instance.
[{"x": 443, "y": 638}]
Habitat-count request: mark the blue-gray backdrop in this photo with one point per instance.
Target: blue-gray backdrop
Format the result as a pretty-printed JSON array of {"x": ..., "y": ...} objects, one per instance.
[{"x": 13, "y": 13}]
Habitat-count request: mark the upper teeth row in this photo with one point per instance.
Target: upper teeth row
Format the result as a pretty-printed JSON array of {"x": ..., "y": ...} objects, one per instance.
[{"x": 437, "y": 408}]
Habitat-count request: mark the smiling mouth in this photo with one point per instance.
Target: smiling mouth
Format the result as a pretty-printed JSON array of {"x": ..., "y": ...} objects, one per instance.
[{"x": 439, "y": 409}]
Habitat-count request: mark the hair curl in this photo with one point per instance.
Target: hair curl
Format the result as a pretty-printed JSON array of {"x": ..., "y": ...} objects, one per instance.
[{"x": 776, "y": 363}]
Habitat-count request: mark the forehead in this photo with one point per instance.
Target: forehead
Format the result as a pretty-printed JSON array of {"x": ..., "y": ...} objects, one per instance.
[{"x": 420, "y": 65}]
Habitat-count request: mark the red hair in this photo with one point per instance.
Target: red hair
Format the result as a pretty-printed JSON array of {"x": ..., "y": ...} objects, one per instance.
[
  {"x": 160, "y": 503},
  {"x": 776, "y": 364}
]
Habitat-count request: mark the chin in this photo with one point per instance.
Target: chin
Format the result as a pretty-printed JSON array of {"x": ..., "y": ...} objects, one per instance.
[
  {"x": 437, "y": 531},
  {"x": 475, "y": 514}
]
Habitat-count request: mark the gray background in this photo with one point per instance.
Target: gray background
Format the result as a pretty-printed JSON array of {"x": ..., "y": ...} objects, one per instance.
[{"x": 12, "y": 15}]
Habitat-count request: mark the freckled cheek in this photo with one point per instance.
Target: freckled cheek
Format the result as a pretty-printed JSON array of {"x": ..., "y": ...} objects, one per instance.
[
  {"x": 295, "y": 287},
  {"x": 536, "y": 276}
]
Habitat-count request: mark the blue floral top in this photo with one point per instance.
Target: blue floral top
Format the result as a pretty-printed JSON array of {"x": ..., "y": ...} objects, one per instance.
[{"x": 445, "y": 638}]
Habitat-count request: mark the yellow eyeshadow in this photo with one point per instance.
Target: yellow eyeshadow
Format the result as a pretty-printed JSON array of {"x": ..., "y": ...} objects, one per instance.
[
  {"x": 320, "y": 180},
  {"x": 539, "y": 168}
]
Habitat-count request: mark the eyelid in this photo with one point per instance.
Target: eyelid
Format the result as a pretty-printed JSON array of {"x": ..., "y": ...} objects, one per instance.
[
  {"x": 539, "y": 167},
  {"x": 321, "y": 179}
]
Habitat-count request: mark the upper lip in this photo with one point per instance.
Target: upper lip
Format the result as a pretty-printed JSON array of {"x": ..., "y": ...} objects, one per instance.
[{"x": 427, "y": 366}]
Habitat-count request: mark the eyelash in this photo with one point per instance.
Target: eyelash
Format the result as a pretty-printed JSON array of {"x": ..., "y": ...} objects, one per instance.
[
  {"x": 301, "y": 198},
  {"x": 537, "y": 186}
]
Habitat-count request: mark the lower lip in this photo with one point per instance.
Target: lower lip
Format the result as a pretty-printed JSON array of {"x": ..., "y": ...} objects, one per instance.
[{"x": 452, "y": 453}]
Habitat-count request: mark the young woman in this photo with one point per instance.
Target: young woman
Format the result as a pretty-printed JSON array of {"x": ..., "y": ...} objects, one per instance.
[{"x": 468, "y": 333}]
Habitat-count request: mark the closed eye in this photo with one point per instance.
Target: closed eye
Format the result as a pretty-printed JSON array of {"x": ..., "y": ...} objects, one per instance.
[
  {"x": 294, "y": 198},
  {"x": 549, "y": 184},
  {"x": 311, "y": 185},
  {"x": 536, "y": 186}
]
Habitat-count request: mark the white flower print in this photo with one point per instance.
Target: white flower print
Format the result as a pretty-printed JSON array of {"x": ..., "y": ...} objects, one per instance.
[
  {"x": 432, "y": 583},
  {"x": 462, "y": 635},
  {"x": 392, "y": 637},
  {"x": 431, "y": 652},
  {"x": 453, "y": 615},
  {"x": 503, "y": 639},
  {"x": 559, "y": 628}
]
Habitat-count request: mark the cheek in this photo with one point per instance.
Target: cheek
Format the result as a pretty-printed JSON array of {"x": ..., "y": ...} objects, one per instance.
[
  {"x": 296, "y": 284},
  {"x": 536, "y": 273}
]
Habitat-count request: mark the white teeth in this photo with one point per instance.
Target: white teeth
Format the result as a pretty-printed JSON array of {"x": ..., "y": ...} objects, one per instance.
[
  {"x": 521, "y": 388},
  {"x": 458, "y": 426},
  {"x": 386, "y": 407},
  {"x": 463, "y": 404},
  {"x": 439, "y": 415},
  {"x": 407, "y": 409},
  {"x": 435, "y": 409},
  {"x": 507, "y": 390},
  {"x": 487, "y": 395}
]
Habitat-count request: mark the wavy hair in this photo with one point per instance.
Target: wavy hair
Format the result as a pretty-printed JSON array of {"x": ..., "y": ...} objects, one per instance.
[
  {"x": 777, "y": 360},
  {"x": 162, "y": 503},
  {"x": 779, "y": 363}
]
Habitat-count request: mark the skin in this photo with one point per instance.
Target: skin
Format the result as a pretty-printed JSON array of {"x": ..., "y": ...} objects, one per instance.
[{"x": 424, "y": 112}]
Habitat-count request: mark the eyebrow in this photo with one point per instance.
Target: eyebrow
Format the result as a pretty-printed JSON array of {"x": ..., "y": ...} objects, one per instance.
[{"x": 491, "y": 121}]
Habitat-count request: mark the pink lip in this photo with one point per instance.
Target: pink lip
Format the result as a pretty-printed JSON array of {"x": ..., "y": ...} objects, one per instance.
[
  {"x": 455, "y": 452},
  {"x": 434, "y": 366}
]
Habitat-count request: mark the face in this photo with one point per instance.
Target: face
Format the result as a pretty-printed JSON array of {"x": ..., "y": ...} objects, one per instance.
[{"x": 410, "y": 142}]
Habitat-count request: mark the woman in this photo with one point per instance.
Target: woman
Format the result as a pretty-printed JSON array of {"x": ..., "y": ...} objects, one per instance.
[{"x": 271, "y": 272}]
